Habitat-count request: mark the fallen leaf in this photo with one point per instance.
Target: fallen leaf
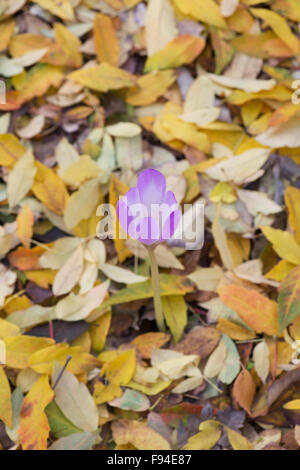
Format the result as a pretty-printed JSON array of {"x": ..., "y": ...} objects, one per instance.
[
  {"x": 34, "y": 427},
  {"x": 244, "y": 390},
  {"x": 141, "y": 436},
  {"x": 103, "y": 78},
  {"x": 181, "y": 50},
  {"x": 75, "y": 401},
  {"x": 257, "y": 311},
  {"x": 106, "y": 41}
]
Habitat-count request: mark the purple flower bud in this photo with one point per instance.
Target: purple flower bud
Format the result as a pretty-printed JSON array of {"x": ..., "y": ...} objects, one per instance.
[{"x": 148, "y": 212}]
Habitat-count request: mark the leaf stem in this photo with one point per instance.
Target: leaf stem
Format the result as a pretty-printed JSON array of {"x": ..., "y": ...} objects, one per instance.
[
  {"x": 156, "y": 290},
  {"x": 62, "y": 371}
]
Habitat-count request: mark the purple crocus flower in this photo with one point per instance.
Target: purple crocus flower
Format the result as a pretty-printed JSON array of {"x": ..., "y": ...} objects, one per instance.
[{"x": 148, "y": 212}]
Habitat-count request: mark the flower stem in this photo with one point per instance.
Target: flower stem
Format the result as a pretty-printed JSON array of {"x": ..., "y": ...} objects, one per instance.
[{"x": 156, "y": 290}]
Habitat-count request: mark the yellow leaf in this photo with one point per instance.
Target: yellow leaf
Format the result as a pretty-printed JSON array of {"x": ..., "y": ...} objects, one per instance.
[
  {"x": 187, "y": 132},
  {"x": 280, "y": 270},
  {"x": 221, "y": 241},
  {"x": 117, "y": 372},
  {"x": 10, "y": 150},
  {"x": 99, "y": 331},
  {"x": 122, "y": 4},
  {"x": 233, "y": 330},
  {"x": 210, "y": 433},
  {"x": 66, "y": 49},
  {"x": 25, "y": 221},
  {"x": 83, "y": 169},
  {"x": 42, "y": 278},
  {"x": 278, "y": 93},
  {"x": 181, "y": 50},
  {"x": 223, "y": 192},
  {"x": 292, "y": 405},
  {"x": 257, "y": 311},
  {"x": 279, "y": 26},
  {"x": 160, "y": 25},
  {"x": 237, "y": 441},
  {"x": 175, "y": 312},
  {"x": 42, "y": 361},
  {"x": 117, "y": 189},
  {"x": 250, "y": 111},
  {"x": 106, "y": 41},
  {"x": 103, "y": 78},
  {"x": 82, "y": 203},
  {"x": 16, "y": 303},
  {"x": 61, "y": 8},
  {"x": 20, "y": 348},
  {"x": 140, "y": 435},
  {"x": 8, "y": 329},
  {"x": 21, "y": 44},
  {"x": 69, "y": 274},
  {"x": 281, "y": 354},
  {"x": 262, "y": 45},
  {"x": 50, "y": 189},
  {"x": 150, "y": 389},
  {"x": 37, "y": 81},
  {"x": 5, "y": 399},
  {"x": 150, "y": 87},
  {"x": 206, "y": 12},
  {"x": 6, "y": 31},
  {"x": 21, "y": 179},
  {"x": 239, "y": 247},
  {"x": 34, "y": 427},
  {"x": 283, "y": 243},
  {"x": 290, "y": 9},
  {"x": 292, "y": 200}
]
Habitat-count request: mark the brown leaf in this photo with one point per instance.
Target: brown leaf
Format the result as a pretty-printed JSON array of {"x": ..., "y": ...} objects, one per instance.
[
  {"x": 200, "y": 340},
  {"x": 244, "y": 390}
]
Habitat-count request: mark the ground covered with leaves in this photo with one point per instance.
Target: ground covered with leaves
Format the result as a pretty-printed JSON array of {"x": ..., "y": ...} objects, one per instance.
[{"x": 96, "y": 91}]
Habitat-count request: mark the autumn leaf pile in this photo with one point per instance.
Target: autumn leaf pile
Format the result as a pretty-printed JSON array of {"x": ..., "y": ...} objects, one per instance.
[{"x": 95, "y": 92}]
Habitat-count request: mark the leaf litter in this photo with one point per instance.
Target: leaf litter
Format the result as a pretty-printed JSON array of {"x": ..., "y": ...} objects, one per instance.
[{"x": 205, "y": 93}]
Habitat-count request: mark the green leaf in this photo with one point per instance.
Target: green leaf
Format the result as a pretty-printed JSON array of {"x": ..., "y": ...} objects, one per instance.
[
  {"x": 170, "y": 284},
  {"x": 60, "y": 426}
]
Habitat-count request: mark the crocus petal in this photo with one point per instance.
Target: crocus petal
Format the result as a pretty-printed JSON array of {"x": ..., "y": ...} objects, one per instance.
[
  {"x": 123, "y": 215},
  {"x": 171, "y": 225},
  {"x": 152, "y": 188},
  {"x": 170, "y": 199},
  {"x": 132, "y": 196},
  {"x": 145, "y": 230},
  {"x": 131, "y": 199},
  {"x": 168, "y": 206}
]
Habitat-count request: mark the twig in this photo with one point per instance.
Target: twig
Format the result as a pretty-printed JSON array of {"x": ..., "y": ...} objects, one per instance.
[{"x": 62, "y": 371}]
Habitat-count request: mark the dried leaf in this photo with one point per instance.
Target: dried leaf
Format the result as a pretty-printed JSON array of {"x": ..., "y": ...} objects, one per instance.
[{"x": 34, "y": 427}]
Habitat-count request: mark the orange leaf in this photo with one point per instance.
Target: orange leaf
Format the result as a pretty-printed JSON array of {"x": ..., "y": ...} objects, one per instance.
[
  {"x": 257, "y": 311},
  {"x": 145, "y": 343},
  {"x": 26, "y": 259},
  {"x": 244, "y": 390},
  {"x": 106, "y": 41},
  {"x": 34, "y": 427}
]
